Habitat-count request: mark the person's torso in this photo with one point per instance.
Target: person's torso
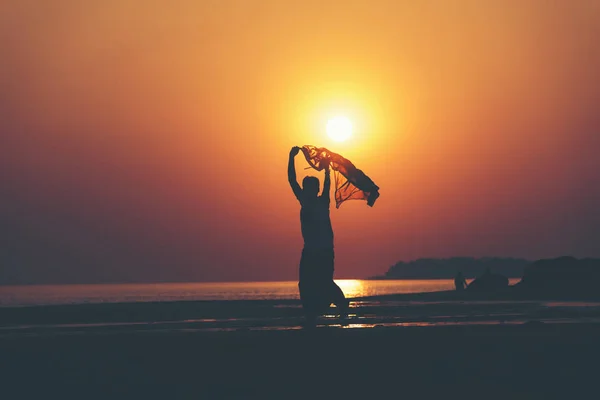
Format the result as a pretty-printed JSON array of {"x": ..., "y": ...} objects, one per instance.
[{"x": 316, "y": 224}]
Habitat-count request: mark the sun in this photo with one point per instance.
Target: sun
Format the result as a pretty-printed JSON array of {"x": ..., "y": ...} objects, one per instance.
[{"x": 339, "y": 128}]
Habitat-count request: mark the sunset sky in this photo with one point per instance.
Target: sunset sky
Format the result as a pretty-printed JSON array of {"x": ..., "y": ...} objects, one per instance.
[{"x": 148, "y": 140}]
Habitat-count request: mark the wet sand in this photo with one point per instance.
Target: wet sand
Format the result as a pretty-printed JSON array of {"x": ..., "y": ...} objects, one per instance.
[
  {"x": 491, "y": 362},
  {"x": 422, "y": 309},
  {"x": 418, "y": 346}
]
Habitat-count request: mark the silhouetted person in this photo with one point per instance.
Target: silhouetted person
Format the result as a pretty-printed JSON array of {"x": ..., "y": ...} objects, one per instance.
[
  {"x": 459, "y": 282},
  {"x": 317, "y": 288}
]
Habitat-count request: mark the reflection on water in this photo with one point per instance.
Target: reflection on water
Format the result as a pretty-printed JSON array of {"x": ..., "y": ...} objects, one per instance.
[
  {"x": 161, "y": 292},
  {"x": 572, "y": 304},
  {"x": 352, "y": 287},
  {"x": 251, "y": 316},
  {"x": 354, "y": 326}
]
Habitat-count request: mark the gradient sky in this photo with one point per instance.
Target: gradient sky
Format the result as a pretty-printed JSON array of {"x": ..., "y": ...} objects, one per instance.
[{"x": 148, "y": 140}]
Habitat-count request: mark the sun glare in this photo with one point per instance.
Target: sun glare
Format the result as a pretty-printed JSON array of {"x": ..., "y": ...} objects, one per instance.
[{"x": 339, "y": 128}]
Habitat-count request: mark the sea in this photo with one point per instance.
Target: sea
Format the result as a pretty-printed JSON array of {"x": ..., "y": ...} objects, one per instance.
[
  {"x": 242, "y": 306},
  {"x": 37, "y": 295}
]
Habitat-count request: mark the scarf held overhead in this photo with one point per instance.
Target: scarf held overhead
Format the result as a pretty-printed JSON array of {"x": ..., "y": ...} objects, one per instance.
[{"x": 350, "y": 182}]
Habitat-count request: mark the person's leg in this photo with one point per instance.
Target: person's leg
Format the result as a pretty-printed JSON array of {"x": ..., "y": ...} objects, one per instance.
[
  {"x": 336, "y": 294},
  {"x": 307, "y": 288},
  {"x": 323, "y": 296},
  {"x": 307, "y": 300},
  {"x": 339, "y": 299}
]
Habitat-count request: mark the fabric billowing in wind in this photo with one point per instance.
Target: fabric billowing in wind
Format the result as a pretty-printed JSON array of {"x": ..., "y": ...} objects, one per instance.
[{"x": 350, "y": 182}]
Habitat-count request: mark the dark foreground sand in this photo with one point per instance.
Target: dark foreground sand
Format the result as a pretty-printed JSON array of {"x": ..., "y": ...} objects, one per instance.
[
  {"x": 211, "y": 350},
  {"x": 487, "y": 362}
]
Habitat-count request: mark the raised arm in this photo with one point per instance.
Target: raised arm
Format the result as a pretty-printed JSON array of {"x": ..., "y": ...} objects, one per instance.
[
  {"x": 292, "y": 172},
  {"x": 327, "y": 184}
]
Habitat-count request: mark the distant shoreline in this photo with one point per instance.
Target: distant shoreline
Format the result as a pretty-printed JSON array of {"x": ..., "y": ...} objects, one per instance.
[{"x": 448, "y": 268}]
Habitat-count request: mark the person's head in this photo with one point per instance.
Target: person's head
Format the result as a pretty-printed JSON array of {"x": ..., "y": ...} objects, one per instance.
[{"x": 310, "y": 186}]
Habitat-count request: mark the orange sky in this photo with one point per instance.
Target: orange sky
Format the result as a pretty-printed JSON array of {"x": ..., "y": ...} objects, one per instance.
[{"x": 148, "y": 140}]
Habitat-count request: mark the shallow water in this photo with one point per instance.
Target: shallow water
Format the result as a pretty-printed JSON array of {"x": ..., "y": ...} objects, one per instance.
[
  {"x": 258, "y": 306},
  {"x": 14, "y": 296},
  {"x": 226, "y": 316}
]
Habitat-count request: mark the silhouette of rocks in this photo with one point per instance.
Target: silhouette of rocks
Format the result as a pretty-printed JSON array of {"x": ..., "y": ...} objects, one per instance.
[
  {"x": 488, "y": 282},
  {"x": 437, "y": 268},
  {"x": 562, "y": 276}
]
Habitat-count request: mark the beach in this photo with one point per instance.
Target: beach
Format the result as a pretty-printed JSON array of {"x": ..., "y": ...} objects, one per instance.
[
  {"x": 427, "y": 345},
  {"x": 523, "y": 362},
  {"x": 177, "y": 176}
]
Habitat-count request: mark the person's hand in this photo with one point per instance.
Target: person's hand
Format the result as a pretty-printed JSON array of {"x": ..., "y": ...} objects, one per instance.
[{"x": 294, "y": 151}]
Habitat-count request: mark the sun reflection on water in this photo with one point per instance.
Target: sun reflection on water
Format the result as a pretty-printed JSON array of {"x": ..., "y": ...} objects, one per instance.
[{"x": 352, "y": 287}]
